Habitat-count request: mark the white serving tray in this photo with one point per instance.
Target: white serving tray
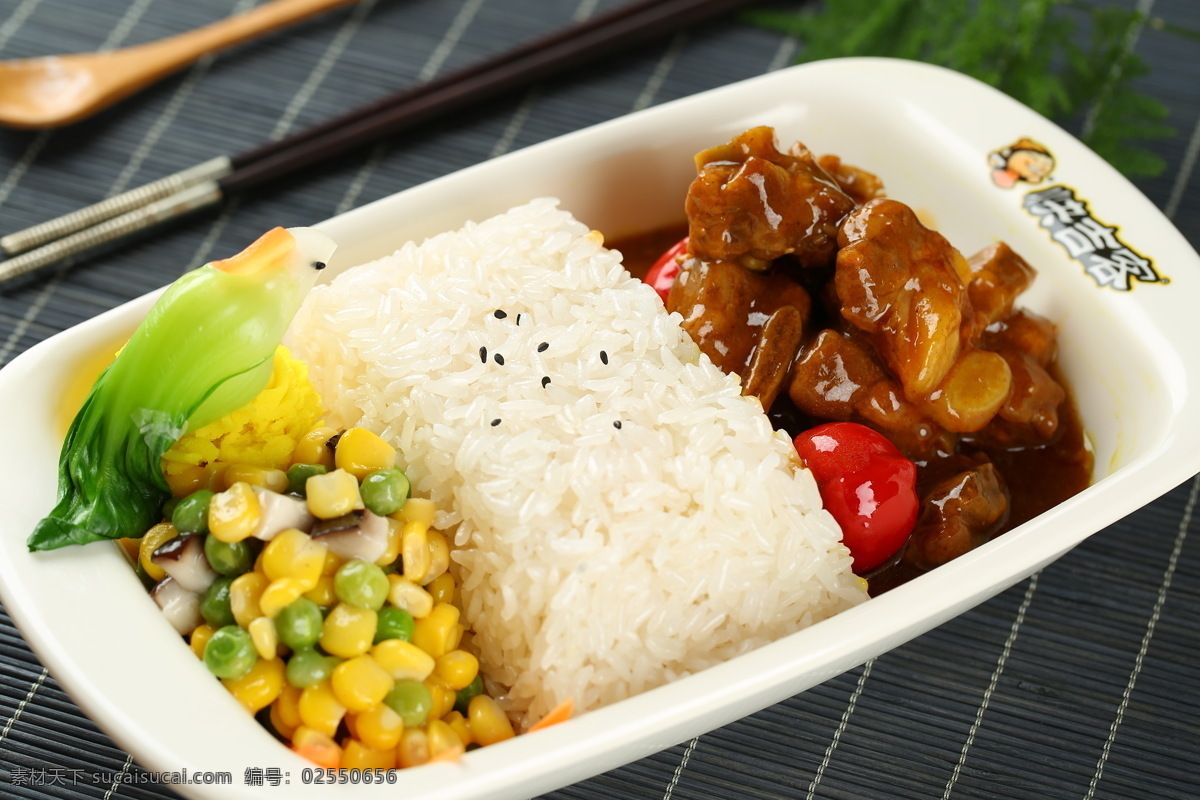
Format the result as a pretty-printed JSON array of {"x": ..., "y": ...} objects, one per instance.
[{"x": 1131, "y": 356}]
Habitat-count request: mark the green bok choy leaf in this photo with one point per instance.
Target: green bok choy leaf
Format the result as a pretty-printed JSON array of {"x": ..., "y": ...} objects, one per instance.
[{"x": 204, "y": 350}]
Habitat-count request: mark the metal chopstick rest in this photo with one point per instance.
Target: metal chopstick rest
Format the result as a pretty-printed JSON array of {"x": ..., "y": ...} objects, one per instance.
[
  {"x": 177, "y": 205},
  {"x": 114, "y": 206}
]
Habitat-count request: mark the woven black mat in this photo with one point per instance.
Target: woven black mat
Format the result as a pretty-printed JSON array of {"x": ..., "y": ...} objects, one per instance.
[{"x": 1079, "y": 683}]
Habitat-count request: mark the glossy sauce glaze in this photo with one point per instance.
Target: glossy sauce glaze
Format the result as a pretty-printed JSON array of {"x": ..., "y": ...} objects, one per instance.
[{"x": 1038, "y": 477}]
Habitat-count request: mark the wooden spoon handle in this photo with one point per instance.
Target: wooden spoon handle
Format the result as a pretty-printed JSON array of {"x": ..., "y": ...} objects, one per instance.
[{"x": 160, "y": 58}]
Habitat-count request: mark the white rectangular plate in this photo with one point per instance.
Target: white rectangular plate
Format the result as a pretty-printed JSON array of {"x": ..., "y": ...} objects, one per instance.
[{"x": 1131, "y": 357}]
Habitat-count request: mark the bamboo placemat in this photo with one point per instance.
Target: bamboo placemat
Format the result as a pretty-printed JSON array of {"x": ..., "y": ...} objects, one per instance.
[{"x": 1078, "y": 683}]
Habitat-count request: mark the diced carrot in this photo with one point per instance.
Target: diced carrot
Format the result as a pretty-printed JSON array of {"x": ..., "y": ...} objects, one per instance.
[
  {"x": 560, "y": 713},
  {"x": 317, "y": 748},
  {"x": 449, "y": 754}
]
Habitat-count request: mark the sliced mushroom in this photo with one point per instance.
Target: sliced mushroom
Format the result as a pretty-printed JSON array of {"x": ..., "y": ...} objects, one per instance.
[
  {"x": 777, "y": 346},
  {"x": 359, "y": 534},
  {"x": 183, "y": 559},
  {"x": 179, "y": 606},
  {"x": 278, "y": 513}
]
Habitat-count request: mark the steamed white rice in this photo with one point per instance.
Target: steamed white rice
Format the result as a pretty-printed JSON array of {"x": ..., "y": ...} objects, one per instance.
[{"x": 595, "y": 561}]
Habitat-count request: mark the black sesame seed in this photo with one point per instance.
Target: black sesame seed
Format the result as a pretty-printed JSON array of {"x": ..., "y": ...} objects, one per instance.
[
  {"x": 318, "y": 265},
  {"x": 500, "y": 314},
  {"x": 483, "y": 354},
  {"x": 499, "y": 359},
  {"x": 603, "y": 357},
  {"x": 518, "y": 319},
  {"x": 545, "y": 381},
  {"x": 495, "y": 422},
  {"x": 542, "y": 347},
  {"x": 617, "y": 424}
]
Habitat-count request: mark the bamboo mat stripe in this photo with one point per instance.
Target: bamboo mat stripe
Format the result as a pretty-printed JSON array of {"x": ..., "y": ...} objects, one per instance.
[{"x": 1081, "y": 682}]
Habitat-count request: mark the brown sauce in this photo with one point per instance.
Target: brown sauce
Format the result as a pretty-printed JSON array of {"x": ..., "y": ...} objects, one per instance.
[{"x": 1038, "y": 478}]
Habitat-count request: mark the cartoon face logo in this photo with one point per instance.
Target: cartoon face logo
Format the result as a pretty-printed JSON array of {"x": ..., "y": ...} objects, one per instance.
[{"x": 1023, "y": 160}]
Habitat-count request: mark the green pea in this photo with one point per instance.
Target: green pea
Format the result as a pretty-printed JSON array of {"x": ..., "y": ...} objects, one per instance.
[
  {"x": 361, "y": 583},
  {"x": 215, "y": 604},
  {"x": 393, "y": 623},
  {"x": 412, "y": 700},
  {"x": 308, "y": 667},
  {"x": 191, "y": 513},
  {"x": 298, "y": 625},
  {"x": 298, "y": 475},
  {"x": 229, "y": 558},
  {"x": 168, "y": 508},
  {"x": 230, "y": 652},
  {"x": 463, "y": 696},
  {"x": 384, "y": 491}
]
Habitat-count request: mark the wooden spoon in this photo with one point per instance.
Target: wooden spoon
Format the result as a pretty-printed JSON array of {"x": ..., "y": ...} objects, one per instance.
[{"x": 52, "y": 91}]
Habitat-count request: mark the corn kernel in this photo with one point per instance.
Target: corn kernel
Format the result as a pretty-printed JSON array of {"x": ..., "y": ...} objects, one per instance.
[
  {"x": 214, "y": 479},
  {"x": 489, "y": 724},
  {"x": 259, "y": 687},
  {"x": 416, "y": 509},
  {"x": 379, "y": 728},
  {"x": 348, "y": 631},
  {"x": 317, "y": 747},
  {"x": 130, "y": 548},
  {"x": 287, "y": 705},
  {"x": 413, "y": 750},
  {"x": 333, "y": 562},
  {"x": 437, "y": 633},
  {"x": 311, "y": 448},
  {"x": 457, "y": 669},
  {"x": 244, "y": 595},
  {"x": 320, "y": 709},
  {"x": 294, "y": 554},
  {"x": 443, "y": 740},
  {"x": 274, "y": 479},
  {"x": 234, "y": 513},
  {"x": 442, "y": 588},
  {"x": 153, "y": 539},
  {"x": 183, "y": 479},
  {"x": 458, "y": 723},
  {"x": 360, "y": 452},
  {"x": 200, "y": 636},
  {"x": 264, "y": 637},
  {"x": 394, "y": 537},
  {"x": 279, "y": 723},
  {"x": 443, "y": 697},
  {"x": 323, "y": 593},
  {"x": 403, "y": 660},
  {"x": 439, "y": 557},
  {"x": 278, "y": 595},
  {"x": 360, "y": 683},
  {"x": 333, "y": 494},
  {"x": 407, "y": 595},
  {"x": 357, "y": 755},
  {"x": 414, "y": 550}
]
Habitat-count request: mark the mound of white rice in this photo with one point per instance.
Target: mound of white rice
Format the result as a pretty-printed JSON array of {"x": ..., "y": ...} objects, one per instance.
[{"x": 622, "y": 515}]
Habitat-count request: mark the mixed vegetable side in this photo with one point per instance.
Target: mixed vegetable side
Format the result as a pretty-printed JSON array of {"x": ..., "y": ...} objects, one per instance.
[
  {"x": 289, "y": 555},
  {"x": 320, "y": 597},
  {"x": 835, "y": 304}
]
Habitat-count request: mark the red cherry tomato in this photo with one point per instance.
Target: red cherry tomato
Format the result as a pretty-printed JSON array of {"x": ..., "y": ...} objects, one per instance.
[
  {"x": 868, "y": 486},
  {"x": 662, "y": 275}
]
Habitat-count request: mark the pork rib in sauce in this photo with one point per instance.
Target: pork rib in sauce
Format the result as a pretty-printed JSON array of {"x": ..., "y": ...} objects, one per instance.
[{"x": 834, "y": 302}]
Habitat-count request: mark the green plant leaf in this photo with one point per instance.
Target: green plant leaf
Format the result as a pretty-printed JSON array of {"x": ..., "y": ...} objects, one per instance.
[{"x": 1062, "y": 58}]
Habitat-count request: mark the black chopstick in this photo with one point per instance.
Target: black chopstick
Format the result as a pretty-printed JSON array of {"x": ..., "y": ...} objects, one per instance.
[
  {"x": 571, "y": 47},
  {"x": 606, "y": 34}
]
